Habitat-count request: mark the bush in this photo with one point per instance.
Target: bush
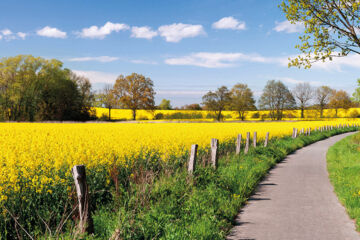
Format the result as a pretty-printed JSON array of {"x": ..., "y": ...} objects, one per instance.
[
  {"x": 159, "y": 116},
  {"x": 255, "y": 115}
]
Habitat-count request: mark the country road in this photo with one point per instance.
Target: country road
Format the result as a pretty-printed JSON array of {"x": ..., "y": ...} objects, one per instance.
[{"x": 296, "y": 201}]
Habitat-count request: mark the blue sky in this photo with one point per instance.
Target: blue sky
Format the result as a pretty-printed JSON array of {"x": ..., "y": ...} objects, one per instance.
[{"x": 185, "y": 47}]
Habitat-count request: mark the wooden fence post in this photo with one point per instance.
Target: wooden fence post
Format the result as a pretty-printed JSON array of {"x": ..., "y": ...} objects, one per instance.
[
  {"x": 82, "y": 192},
  {"x": 214, "y": 152},
  {"x": 266, "y": 139},
  {"x": 192, "y": 160},
  {"x": 247, "y": 143},
  {"x": 293, "y": 133},
  {"x": 296, "y": 132},
  {"x": 238, "y": 144},
  {"x": 254, "y": 139}
]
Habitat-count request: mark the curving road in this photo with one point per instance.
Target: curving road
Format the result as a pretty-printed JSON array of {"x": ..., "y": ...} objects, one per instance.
[{"x": 296, "y": 201}]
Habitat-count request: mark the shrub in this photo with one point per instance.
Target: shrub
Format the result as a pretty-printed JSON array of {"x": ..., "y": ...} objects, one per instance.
[
  {"x": 159, "y": 116},
  {"x": 255, "y": 115}
]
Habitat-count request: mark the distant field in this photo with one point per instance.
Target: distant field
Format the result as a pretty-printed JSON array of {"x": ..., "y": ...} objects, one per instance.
[{"x": 126, "y": 114}]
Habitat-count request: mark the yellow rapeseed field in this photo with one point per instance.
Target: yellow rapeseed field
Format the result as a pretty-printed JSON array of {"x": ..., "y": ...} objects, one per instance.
[
  {"x": 35, "y": 151},
  {"x": 126, "y": 114}
]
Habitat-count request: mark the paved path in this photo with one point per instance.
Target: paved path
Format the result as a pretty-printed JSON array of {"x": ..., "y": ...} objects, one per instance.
[{"x": 296, "y": 201}]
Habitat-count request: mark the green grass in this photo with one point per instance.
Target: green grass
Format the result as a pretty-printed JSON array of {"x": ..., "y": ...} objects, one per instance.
[
  {"x": 203, "y": 206},
  {"x": 344, "y": 170}
]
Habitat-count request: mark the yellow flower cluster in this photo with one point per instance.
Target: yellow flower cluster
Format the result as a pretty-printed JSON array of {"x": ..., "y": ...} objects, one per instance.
[
  {"x": 126, "y": 114},
  {"x": 34, "y": 151}
]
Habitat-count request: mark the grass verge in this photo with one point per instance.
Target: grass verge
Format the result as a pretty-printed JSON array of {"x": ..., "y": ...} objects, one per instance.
[
  {"x": 202, "y": 206},
  {"x": 343, "y": 163}
]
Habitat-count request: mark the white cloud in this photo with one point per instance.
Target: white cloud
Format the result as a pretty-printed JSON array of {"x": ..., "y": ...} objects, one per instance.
[
  {"x": 177, "y": 31},
  {"x": 143, "y": 32},
  {"x": 21, "y": 35},
  {"x": 96, "y": 59},
  {"x": 229, "y": 23},
  {"x": 180, "y": 92},
  {"x": 51, "y": 32},
  {"x": 140, "y": 61},
  {"x": 352, "y": 60},
  {"x": 6, "y": 32},
  {"x": 288, "y": 27},
  {"x": 102, "y": 32},
  {"x": 295, "y": 81},
  {"x": 1, "y": 37},
  {"x": 98, "y": 77},
  {"x": 218, "y": 59}
]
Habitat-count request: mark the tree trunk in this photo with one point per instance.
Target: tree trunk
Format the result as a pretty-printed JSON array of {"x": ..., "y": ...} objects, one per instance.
[
  {"x": 109, "y": 114},
  {"x": 302, "y": 112},
  {"x": 242, "y": 115},
  {"x": 134, "y": 114},
  {"x": 321, "y": 111},
  {"x": 336, "y": 110},
  {"x": 219, "y": 116}
]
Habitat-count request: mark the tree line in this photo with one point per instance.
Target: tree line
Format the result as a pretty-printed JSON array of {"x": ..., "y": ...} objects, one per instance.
[
  {"x": 277, "y": 97},
  {"x": 37, "y": 89}
]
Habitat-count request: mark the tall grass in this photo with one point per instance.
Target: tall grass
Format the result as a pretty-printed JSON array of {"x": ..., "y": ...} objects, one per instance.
[{"x": 343, "y": 161}]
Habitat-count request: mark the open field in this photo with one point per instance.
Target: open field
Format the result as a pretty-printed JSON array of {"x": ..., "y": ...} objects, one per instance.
[
  {"x": 344, "y": 165},
  {"x": 36, "y": 159}
]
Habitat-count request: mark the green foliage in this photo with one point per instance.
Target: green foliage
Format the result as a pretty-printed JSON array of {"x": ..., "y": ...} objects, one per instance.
[
  {"x": 39, "y": 89},
  {"x": 255, "y": 115},
  {"x": 330, "y": 28},
  {"x": 344, "y": 165},
  {"x": 356, "y": 94},
  {"x": 202, "y": 206},
  {"x": 242, "y": 100},
  {"x": 217, "y": 101},
  {"x": 179, "y": 115},
  {"x": 165, "y": 105}
]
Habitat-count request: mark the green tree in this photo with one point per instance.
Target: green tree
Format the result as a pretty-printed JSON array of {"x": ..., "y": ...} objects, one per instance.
[
  {"x": 242, "y": 100},
  {"x": 165, "y": 105},
  {"x": 33, "y": 88},
  {"x": 135, "y": 92},
  {"x": 276, "y": 97},
  {"x": 356, "y": 94},
  {"x": 331, "y": 28},
  {"x": 217, "y": 101},
  {"x": 340, "y": 99},
  {"x": 303, "y": 94}
]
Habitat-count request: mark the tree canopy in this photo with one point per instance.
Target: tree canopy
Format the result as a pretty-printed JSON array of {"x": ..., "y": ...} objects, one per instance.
[
  {"x": 165, "y": 105},
  {"x": 331, "y": 28},
  {"x": 135, "y": 92},
  {"x": 34, "y": 88},
  {"x": 276, "y": 97},
  {"x": 356, "y": 94},
  {"x": 242, "y": 99},
  {"x": 217, "y": 101},
  {"x": 340, "y": 99},
  {"x": 303, "y": 94},
  {"x": 322, "y": 97}
]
